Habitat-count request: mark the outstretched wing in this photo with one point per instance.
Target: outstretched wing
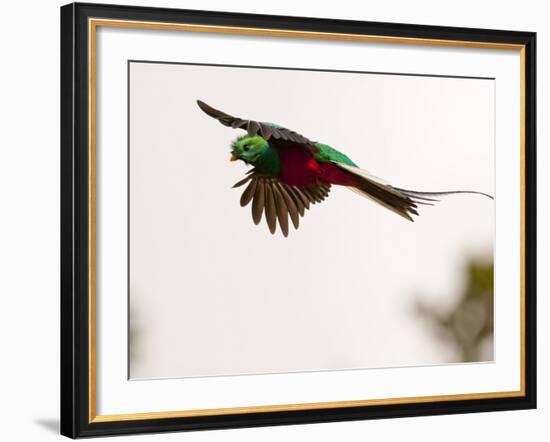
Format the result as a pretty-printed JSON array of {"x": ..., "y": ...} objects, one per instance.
[
  {"x": 278, "y": 200},
  {"x": 277, "y": 134}
]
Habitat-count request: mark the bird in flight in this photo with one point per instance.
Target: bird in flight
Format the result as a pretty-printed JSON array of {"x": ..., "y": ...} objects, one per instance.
[{"x": 290, "y": 173}]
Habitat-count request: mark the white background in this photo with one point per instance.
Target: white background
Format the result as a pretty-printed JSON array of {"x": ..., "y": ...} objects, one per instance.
[
  {"x": 29, "y": 234},
  {"x": 179, "y": 166}
]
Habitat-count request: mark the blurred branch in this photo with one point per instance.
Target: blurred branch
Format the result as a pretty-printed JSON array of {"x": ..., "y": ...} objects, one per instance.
[{"x": 469, "y": 323}]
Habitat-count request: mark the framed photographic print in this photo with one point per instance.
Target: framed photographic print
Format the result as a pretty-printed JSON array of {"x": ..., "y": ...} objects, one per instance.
[{"x": 368, "y": 252}]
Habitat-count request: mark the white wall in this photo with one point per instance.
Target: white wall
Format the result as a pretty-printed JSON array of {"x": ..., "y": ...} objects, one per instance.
[{"x": 29, "y": 221}]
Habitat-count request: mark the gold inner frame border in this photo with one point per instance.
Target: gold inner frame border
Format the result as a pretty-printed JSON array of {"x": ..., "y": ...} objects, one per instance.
[{"x": 93, "y": 24}]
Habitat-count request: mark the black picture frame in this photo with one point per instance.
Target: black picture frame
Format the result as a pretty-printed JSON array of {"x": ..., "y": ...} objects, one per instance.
[{"x": 75, "y": 219}]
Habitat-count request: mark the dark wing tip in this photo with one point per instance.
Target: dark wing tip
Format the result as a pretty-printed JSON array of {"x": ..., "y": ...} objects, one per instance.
[
  {"x": 203, "y": 105},
  {"x": 212, "y": 112}
]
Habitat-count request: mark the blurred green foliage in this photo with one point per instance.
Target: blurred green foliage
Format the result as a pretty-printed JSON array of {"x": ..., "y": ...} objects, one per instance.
[{"x": 469, "y": 324}]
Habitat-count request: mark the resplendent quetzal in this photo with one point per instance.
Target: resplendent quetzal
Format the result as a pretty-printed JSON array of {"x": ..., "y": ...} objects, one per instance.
[{"x": 291, "y": 172}]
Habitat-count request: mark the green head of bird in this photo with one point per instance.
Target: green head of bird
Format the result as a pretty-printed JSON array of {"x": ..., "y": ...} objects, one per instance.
[{"x": 248, "y": 148}]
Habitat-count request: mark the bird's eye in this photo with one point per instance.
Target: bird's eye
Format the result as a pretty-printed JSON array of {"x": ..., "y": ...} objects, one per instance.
[{"x": 246, "y": 147}]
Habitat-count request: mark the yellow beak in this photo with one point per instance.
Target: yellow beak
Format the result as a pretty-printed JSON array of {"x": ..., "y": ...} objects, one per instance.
[{"x": 233, "y": 158}]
